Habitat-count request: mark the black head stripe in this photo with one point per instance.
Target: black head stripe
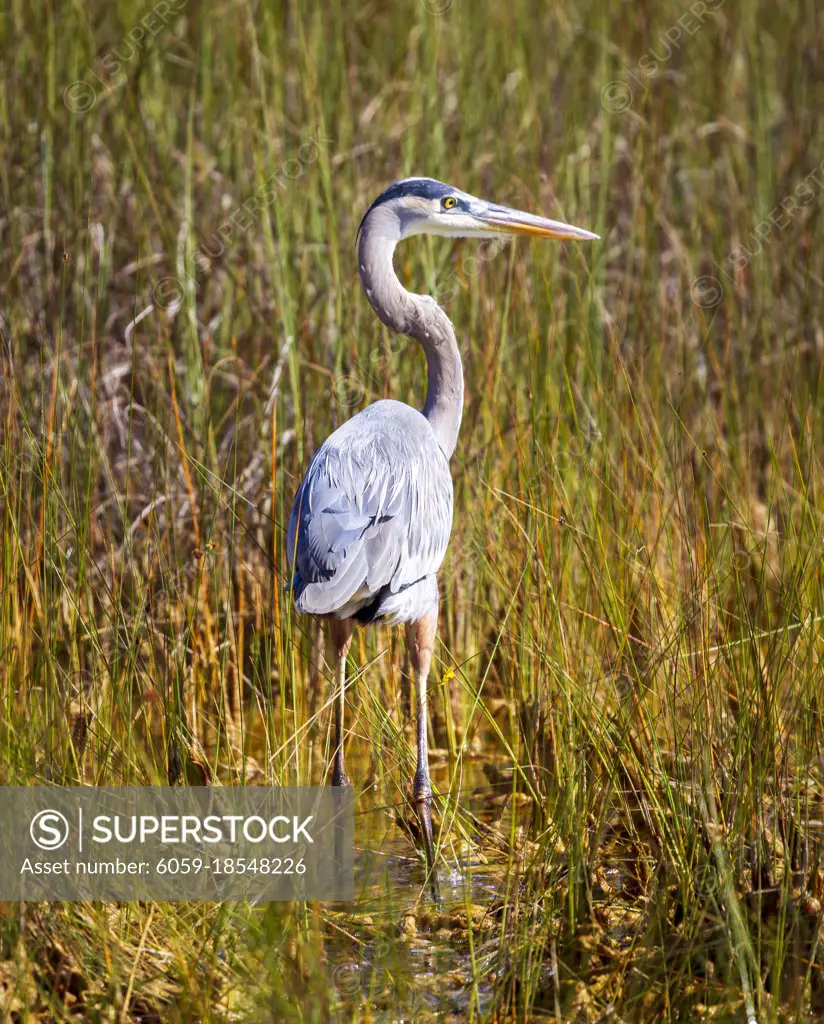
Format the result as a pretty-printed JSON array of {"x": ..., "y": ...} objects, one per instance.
[{"x": 421, "y": 188}]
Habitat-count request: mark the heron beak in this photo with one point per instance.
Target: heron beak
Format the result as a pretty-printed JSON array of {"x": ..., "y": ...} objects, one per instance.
[{"x": 515, "y": 222}]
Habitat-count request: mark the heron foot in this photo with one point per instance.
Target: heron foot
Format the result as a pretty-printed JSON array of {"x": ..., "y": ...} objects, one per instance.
[
  {"x": 339, "y": 776},
  {"x": 422, "y": 798}
]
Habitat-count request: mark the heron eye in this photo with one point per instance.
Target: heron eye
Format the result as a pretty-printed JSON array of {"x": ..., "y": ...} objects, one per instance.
[{"x": 449, "y": 202}]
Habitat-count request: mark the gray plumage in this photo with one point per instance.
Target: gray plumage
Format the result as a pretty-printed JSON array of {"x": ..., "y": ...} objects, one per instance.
[{"x": 372, "y": 518}]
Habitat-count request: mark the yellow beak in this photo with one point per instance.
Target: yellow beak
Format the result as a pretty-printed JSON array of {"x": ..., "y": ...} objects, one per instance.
[{"x": 515, "y": 222}]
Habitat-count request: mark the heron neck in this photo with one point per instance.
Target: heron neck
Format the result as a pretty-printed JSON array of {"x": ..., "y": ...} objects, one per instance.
[{"x": 419, "y": 317}]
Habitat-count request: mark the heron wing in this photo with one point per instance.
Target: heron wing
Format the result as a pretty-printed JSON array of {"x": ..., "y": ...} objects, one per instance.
[{"x": 374, "y": 510}]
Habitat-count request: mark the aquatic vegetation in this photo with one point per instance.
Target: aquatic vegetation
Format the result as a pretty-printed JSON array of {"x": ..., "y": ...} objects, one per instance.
[{"x": 626, "y": 719}]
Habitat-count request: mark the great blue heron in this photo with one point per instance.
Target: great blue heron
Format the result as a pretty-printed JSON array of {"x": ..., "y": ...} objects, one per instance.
[{"x": 372, "y": 517}]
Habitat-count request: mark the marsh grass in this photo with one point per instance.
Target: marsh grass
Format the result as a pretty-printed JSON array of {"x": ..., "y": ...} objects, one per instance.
[{"x": 632, "y": 600}]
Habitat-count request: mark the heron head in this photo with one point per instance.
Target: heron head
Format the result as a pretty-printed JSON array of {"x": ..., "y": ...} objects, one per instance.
[{"x": 425, "y": 206}]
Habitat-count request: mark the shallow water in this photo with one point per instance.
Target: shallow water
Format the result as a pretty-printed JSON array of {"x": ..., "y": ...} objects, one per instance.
[{"x": 408, "y": 957}]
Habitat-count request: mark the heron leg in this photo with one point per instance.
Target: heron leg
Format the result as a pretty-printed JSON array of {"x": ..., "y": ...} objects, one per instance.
[
  {"x": 341, "y": 632},
  {"x": 420, "y": 637}
]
